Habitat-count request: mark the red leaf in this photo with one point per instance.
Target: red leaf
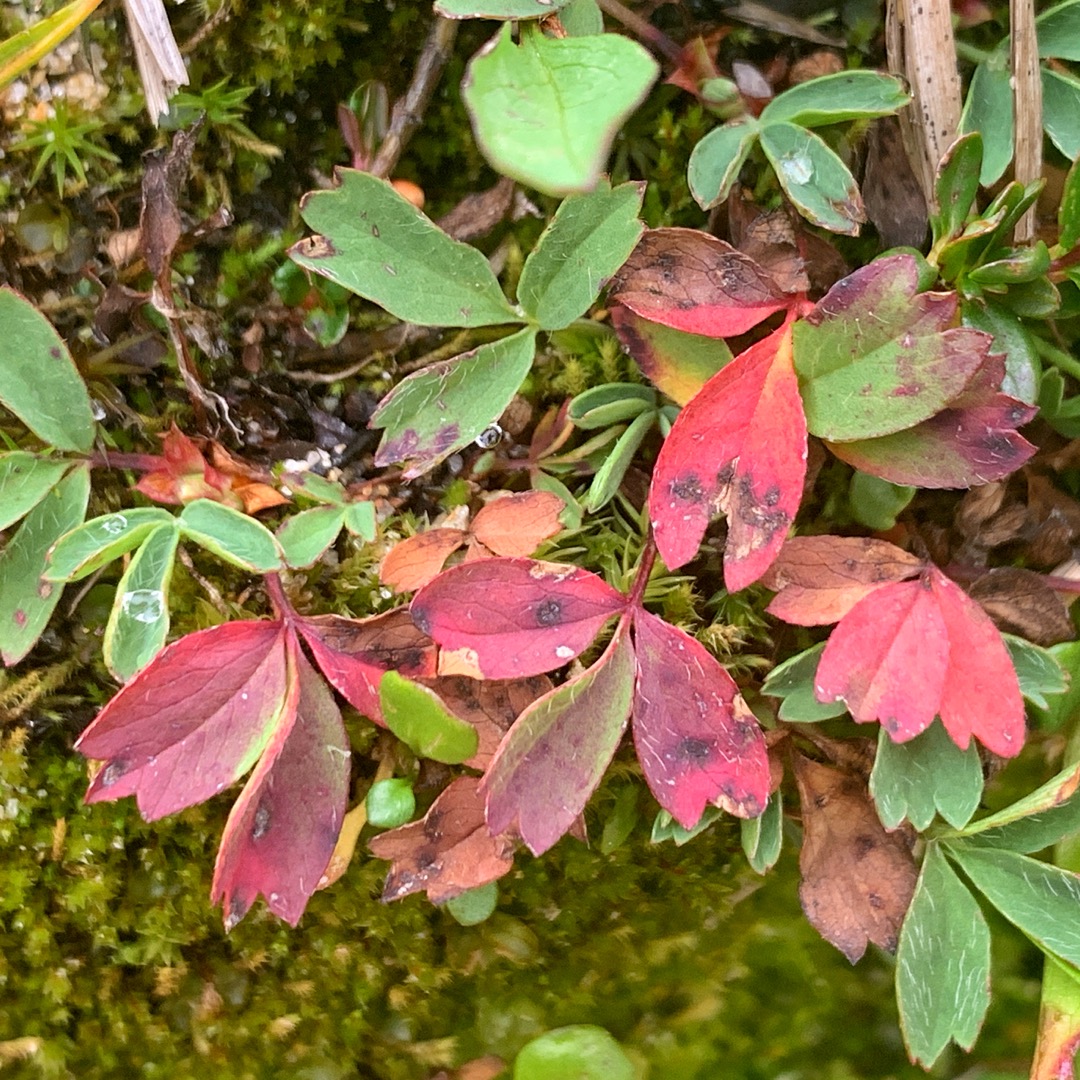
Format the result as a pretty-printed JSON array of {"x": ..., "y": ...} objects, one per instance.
[
  {"x": 982, "y": 693},
  {"x": 193, "y": 721},
  {"x": 447, "y": 852},
  {"x": 917, "y": 649},
  {"x": 696, "y": 739},
  {"x": 184, "y": 474},
  {"x": 281, "y": 832},
  {"x": 888, "y": 658},
  {"x": 554, "y": 756},
  {"x": 509, "y": 618},
  {"x": 691, "y": 281},
  {"x": 354, "y": 654},
  {"x": 738, "y": 447},
  {"x": 819, "y": 579}
]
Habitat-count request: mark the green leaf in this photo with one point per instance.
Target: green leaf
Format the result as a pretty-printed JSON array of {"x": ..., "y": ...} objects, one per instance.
[
  {"x": 545, "y": 111},
  {"x": 474, "y": 906},
  {"x": 956, "y": 186},
  {"x": 434, "y": 412},
  {"x": 830, "y": 99},
  {"x": 1013, "y": 267},
  {"x": 589, "y": 238},
  {"x": 25, "y": 479},
  {"x": 665, "y": 827},
  {"x": 763, "y": 836},
  {"x": 876, "y": 503},
  {"x": 621, "y": 821},
  {"x": 1061, "y": 111},
  {"x": 942, "y": 963},
  {"x": 988, "y": 111},
  {"x": 380, "y": 246},
  {"x": 1023, "y": 370},
  {"x": 360, "y": 520},
  {"x": 610, "y": 475},
  {"x": 314, "y": 486},
  {"x": 417, "y": 716},
  {"x": 929, "y": 774},
  {"x": 390, "y": 803},
  {"x": 793, "y": 681},
  {"x": 39, "y": 382},
  {"x": 139, "y": 621},
  {"x": 305, "y": 536},
  {"x": 1069, "y": 210},
  {"x": 1038, "y": 670},
  {"x": 816, "y": 181},
  {"x": 96, "y": 542},
  {"x": 1065, "y": 706},
  {"x": 26, "y": 602},
  {"x": 609, "y": 403},
  {"x": 22, "y": 50},
  {"x": 1036, "y": 821},
  {"x": 497, "y": 9},
  {"x": 1041, "y": 900},
  {"x": 231, "y": 535},
  {"x": 716, "y": 160},
  {"x": 581, "y": 18},
  {"x": 1058, "y": 31},
  {"x": 580, "y": 1052}
]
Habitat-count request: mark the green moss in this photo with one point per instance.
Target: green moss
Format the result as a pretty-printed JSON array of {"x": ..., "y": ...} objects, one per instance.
[{"x": 112, "y": 958}]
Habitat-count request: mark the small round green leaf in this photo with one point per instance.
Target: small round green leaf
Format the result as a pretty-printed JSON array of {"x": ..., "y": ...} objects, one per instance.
[
  {"x": 305, "y": 536},
  {"x": 578, "y": 1052},
  {"x": 231, "y": 535},
  {"x": 390, "y": 803},
  {"x": 474, "y": 905},
  {"x": 716, "y": 161},
  {"x": 419, "y": 719}
]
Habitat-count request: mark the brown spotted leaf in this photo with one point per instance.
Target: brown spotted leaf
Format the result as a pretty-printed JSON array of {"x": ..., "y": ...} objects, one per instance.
[
  {"x": 857, "y": 879},
  {"x": 739, "y": 447},
  {"x": 819, "y": 579},
  {"x": 691, "y": 281},
  {"x": 448, "y": 851},
  {"x": 354, "y": 654}
]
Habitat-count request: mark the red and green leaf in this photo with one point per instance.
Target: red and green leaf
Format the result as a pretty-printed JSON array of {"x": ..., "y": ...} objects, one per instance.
[
  {"x": 354, "y": 654},
  {"x": 193, "y": 721},
  {"x": 555, "y": 755},
  {"x": 697, "y": 741},
  {"x": 283, "y": 828},
  {"x": 738, "y": 447},
  {"x": 511, "y": 618}
]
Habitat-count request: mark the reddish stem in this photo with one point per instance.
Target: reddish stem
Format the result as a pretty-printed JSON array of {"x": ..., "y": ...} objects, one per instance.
[
  {"x": 274, "y": 589},
  {"x": 648, "y": 557}
]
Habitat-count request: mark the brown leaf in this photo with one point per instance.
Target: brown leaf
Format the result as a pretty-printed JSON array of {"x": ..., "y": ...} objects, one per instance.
[
  {"x": 819, "y": 579},
  {"x": 1020, "y": 602},
  {"x": 1055, "y": 518},
  {"x": 857, "y": 879},
  {"x": 516, "y": 525},
  {"x": 160, "y": 224},
  {"x": 448, "y": 851},
  {"x": 415, "y": 561},
  {"x": 490, "y": 705},
  {"x": 891, "y": 193}
]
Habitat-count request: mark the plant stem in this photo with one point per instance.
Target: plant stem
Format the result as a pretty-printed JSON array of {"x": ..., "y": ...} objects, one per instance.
[
  {"x": 648, "y": 557},
  {"x": 1062, "y": 360},
  {"x": 643, "y": 29}
]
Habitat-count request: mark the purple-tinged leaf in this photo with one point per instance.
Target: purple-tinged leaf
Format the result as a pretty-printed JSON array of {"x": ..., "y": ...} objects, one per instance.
[
  {"x": 510, "y": 618},
  {"x": 697, "y": 741},
  {"x": 193, "y": 721},
  {"x": 554, "y": 756},
  {"x": 281, "y": 832}
]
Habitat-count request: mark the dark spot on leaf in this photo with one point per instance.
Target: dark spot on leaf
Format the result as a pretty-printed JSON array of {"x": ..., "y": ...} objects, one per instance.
[
  {"x": 315, "y": 247},
  {"x": 821, "y": 801},
  {"x": 375, "y": 231},
  {"x": 874, "y": 900},
  {"x": 998, "y": 445},
  {"x": 549, "y": 613},
  {"x": 688, "y": 488},
  {"x": 433, "y": 824},
  {"x": 20, "y": 618},
  {"x": 113, "y": 772},
  {"x": 54, "y": 352},
  {"x": 421, "y": 620},
  {"x": 45, "y": 589},
  {"x": 237, "y": 910},
  {"x": 726, "y": 474},
  {"x": 695, "y": 750},
  {"x": 426, "y": 860},
  {"x": 261, "y": 825},
  {"x": 907, "y": 390},
  {"x": 863, "y": 846}
]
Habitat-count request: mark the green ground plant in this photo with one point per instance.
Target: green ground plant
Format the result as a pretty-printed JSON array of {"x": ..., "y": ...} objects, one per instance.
[{"x": 629, "y": 475}]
